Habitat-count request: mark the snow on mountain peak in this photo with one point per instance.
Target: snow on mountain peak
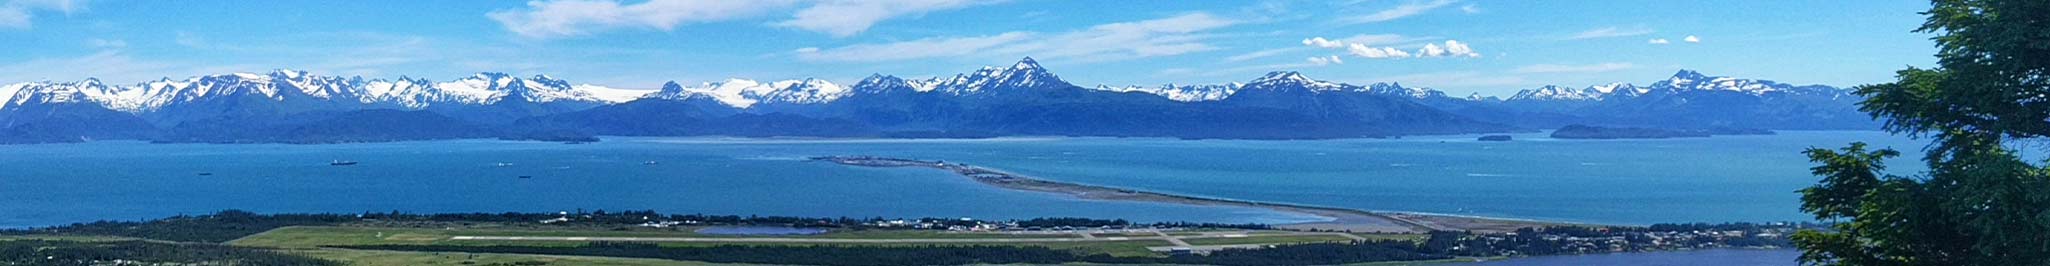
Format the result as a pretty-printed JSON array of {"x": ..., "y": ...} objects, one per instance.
[
  {"x": 1285, "y": 79},
  {"x": 1281, "y": 76},
  {"x": 805, "y": 91},
  {"x": 1182, "y": 93},
  {"x": 1691, "y": 80},
  {"x": 1026, "y": 63},
  {"x": 286, "y": 84},
  {"x": 745, "y": 93},
  {"x": 1557, "y": 93},
  {"x": 1688, "y": 74},
  {"x": 1025, "y": 74}
]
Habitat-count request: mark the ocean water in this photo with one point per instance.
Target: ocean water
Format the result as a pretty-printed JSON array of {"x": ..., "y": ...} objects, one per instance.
[
  {"x": 1733, "y": 178},
  {"x": 1712, "y": 257}
]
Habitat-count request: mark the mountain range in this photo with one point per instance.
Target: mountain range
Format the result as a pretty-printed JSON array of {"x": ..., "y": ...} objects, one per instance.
[{"x": 1021, "y": 99}]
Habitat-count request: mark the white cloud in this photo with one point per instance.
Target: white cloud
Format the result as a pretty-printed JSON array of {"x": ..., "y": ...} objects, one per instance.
[
  {"x": 1148, "y": 38},
  {"x": 1405, "y": 10},
  {"x": 1557, "y": 68},
  {"x": 14, "y": 18},
  {"x": 563, "y": 18},
  {"x": 1692, "y": 39},
  {"x": 1609, "y": 32},
  {"x": 20, "y": 14},
  {"x": 842, "y": 18},
  {"x": 1372, "y": 52},
  {"x": 1470, "y": 9},
  {"x": 1380, "y": 39},
  {"x": 1320, "y": 42},
  {"x": 1658, "y": 41},
  {"x": 1450, "y": 48},
  {"x": 1362, "y": 39},
  {"x": 1326, "y": 60}
]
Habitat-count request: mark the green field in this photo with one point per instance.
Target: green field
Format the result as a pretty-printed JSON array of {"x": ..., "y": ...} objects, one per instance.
[
  {"x": 321, "y": 242},
  {"x": 398, "y": 258},
  {"x": 1268, "y": 239},
  {"x": 312, "y": 238}
]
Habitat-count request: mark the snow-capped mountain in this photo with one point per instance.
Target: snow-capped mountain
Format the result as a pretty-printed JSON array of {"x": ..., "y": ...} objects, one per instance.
[
  {"x": 744, "y": 93},
  {"x": 1182, "y": 93},
  {"x": 1558, "y": 93},
  {"x": 1020, "y": 99},
  {"x": 1682, "y": 81},
  {"x": 1026, "y": 74},
  {"x": 1691, "y": 80},
  {"x": 1282, "y": 80},
  {"x": 1390, "y": 88},
  {"x": 1272, "y": 81},
  {"x": 292, "y": 85},
  {"x": 1620, "y": 89}
]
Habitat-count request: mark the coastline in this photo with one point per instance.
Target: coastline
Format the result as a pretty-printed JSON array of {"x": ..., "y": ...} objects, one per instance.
[{"x": 1343, "y": 219}]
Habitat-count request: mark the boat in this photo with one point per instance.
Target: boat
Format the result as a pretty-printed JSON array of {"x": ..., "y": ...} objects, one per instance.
[
  {"x": 341, "y": 163},
  {"x": 650, "y": 163},
  {"x": 504, "y": 164}
]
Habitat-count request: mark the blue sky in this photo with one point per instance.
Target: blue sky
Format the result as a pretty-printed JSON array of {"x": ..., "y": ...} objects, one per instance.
[{"x": 1489, "y": 47}]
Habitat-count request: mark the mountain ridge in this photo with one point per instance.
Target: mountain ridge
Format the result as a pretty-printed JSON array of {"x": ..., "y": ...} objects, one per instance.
[{"x": 1023, "y": 98}]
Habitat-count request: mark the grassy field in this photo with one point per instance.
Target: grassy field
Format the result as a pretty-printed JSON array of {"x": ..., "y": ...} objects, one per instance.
[
  {"x": 1260, "y": 239},
  {"x": 64, "y": 237},
  {"x": 1408, "y": 237},
  {"x": 398, "y": 258},
  {"x": 312, "y": 237},
  {"x": 314, "y": 240},
  {"x": 309, "y": 237}
]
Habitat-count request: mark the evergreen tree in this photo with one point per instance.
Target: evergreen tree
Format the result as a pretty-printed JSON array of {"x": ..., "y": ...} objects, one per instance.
[{"x": 1980, "y": 203}]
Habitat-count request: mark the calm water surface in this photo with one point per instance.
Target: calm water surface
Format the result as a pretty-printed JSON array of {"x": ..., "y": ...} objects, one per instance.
[
  {"x": 1714, "y": 257},
  {"x": 1737, "y": 178}
]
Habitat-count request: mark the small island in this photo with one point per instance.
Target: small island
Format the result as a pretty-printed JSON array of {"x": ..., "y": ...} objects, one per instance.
[
  {"x": 1595, "y": 132},
  {"x": 1495, "y": 138}
]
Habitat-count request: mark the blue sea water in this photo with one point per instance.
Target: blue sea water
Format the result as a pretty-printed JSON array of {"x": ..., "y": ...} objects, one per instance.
[
  {"x": 1712, "y": 257},
  {"x": 1725, "y": 178}
]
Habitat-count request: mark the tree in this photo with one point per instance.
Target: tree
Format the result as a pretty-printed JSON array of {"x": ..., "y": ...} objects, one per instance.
[{"x": 1980, "y": 203}]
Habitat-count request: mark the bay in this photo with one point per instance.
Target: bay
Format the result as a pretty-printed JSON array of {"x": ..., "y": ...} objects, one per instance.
[{"x": 1724, "y": 178}]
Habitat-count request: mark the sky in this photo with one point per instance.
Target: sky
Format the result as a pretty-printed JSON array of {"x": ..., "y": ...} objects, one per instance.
[{"x": 1459, "y": 46}]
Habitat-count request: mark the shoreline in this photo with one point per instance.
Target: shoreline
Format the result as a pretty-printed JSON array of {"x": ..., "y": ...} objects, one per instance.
[{"x": 1343, "y": 219}]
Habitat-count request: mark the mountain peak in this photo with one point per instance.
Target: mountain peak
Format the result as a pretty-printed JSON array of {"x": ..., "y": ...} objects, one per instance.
[
  {"x": 1689, "y": 74},
  {"x": 491, "y": 75},
  {"x": 1026, "y": 63},
  {"x": 1281, "y": 75},
  {"x": 671, "y": 88},
  {"x": 288, "y": 73}
]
